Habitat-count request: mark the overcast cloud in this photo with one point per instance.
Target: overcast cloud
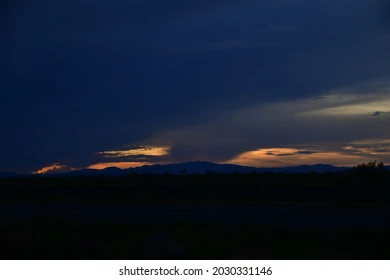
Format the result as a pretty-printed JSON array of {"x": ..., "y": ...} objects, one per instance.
[{"x": 210, "y": 80}]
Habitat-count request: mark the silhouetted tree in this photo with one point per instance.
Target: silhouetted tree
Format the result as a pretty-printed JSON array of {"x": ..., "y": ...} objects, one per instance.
[{"x": 372, "y": 165}]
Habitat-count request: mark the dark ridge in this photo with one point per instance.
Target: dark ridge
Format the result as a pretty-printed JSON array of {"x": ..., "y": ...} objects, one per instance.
[{"x": 197, "y": 167}]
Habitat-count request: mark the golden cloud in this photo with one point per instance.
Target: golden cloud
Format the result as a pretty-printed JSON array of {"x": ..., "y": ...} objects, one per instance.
[
  {"x": 54, "y": 168},
  {"x": 281, "y": 157},
  {"x": 121, "y": 165},
  {"x": 139, "y": 151}
]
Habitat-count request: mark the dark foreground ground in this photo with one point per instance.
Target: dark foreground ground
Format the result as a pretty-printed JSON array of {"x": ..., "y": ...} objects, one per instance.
[
  {"x": 192, "y": 231},
  {"x": 212, "y": 216}
]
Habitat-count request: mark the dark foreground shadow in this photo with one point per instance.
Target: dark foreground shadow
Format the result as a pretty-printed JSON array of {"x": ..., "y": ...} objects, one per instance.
[{"x": 57, "y": 239}]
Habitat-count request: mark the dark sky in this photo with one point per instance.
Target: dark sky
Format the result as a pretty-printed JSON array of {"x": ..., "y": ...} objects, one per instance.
[{"x": 253, "y": 82}]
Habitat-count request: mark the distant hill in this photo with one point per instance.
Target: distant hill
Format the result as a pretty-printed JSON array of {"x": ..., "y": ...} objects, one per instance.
[
  {"x": 8, "y": 174},
  {"x": 197, "y": 167},
  {"x": 200, "y": 167}
]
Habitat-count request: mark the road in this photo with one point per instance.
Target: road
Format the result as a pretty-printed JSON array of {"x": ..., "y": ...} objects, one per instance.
[{"x": 294, "y": 217}]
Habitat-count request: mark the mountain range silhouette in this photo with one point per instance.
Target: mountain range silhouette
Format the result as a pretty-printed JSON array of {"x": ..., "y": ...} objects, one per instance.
[{"x": 197, "y": 167}]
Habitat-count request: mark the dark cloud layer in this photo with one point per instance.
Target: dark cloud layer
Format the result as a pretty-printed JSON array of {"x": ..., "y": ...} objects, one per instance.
[
  {"x": 299, "y": 152},
  {"x": 378, "y": 113},
  {"x": 79, "y": 77}
]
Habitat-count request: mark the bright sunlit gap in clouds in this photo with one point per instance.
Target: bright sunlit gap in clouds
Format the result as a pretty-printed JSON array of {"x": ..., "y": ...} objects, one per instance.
[{"x": 351, "y": 104}]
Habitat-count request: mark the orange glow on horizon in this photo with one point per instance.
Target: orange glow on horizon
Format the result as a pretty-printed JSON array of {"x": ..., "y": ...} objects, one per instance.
[
  {"x": 121, "y": 165},
  {"x": 54, "y": 168},
  {"x": 281, "y": 157}
]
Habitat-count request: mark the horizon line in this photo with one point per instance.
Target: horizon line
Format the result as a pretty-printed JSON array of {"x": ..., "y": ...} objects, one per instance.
[{"x": 166, "y": 164}]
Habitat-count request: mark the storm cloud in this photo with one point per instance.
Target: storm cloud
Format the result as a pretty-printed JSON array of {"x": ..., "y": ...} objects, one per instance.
[{"x": 208, "y": 79}]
